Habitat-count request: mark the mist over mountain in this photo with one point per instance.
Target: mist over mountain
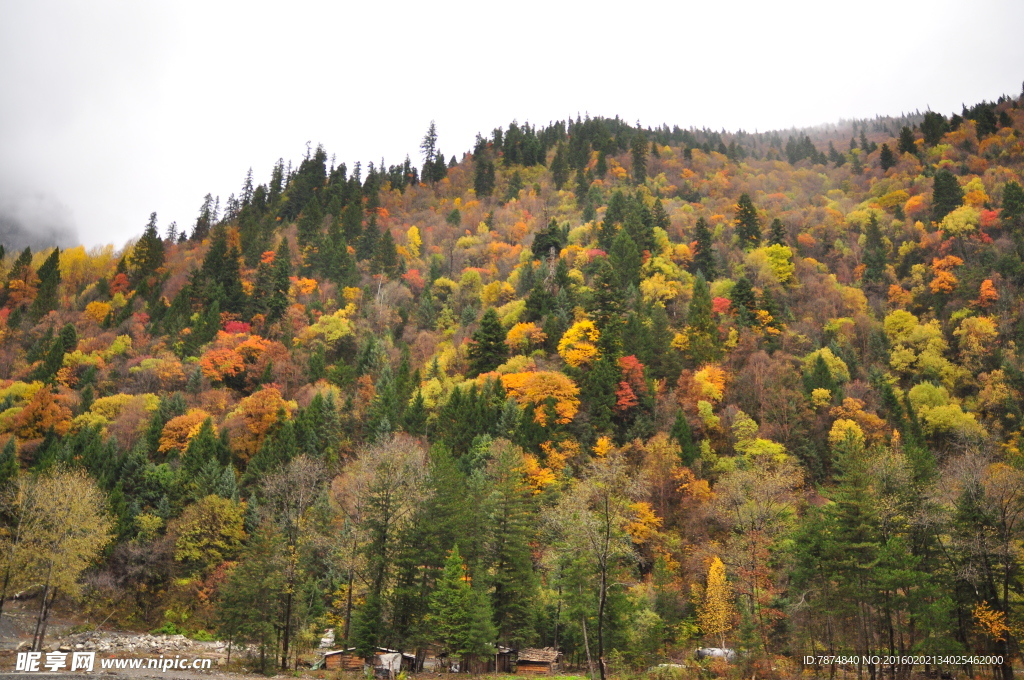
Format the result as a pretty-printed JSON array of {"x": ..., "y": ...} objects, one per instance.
[{"x": 35, "y": 220}]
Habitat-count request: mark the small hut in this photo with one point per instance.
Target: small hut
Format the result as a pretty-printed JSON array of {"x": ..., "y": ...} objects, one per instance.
[
  {"x": 503, "y": 657},
  {"x": 546, "y": 661},
  {"x": 348, "y": 660}
]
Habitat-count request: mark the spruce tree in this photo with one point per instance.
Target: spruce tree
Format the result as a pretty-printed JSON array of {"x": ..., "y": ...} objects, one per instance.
[
  {"x": 947, "y": 195},
  {"x": 625, "y": 258},
  {"x": 1013, "y": 204},
  {"x": 280, "y": 281},
  {"x": 639, "y": 149},
  {"x": 385, "y": 255},
  {"x": 683, "y": 434},
  {"x": 560, "y": 167},
  {"x": 512, "y": 522},
  {"x": 483, "y": 176},
  {"x": 66, "y": 341},
  {"x": 148, "y": 253},
  {"x": 488, "y": 349},
  {"x": 744, "y": 302},
  {"x": 748, "y": 224},
  {"x": 415, "y": 419},
  {"x": 906, "y": 141},
  {"x": 384, "y": 415},
  {"x": 933, "y": 127},
  {"x": 219, "y": 278},
  {"x": 820, "y": 377},
  {"x": 309, "y": 223},
  {"x": 8, "y": 463},
  {"x": 49, "y": 281},
  {"x": 704, "y": 259},
  {"x": 701, "y": 329},
  {"x": 515, "y": 185},
  {"x": 460, "y": 616},
  {"x": 874, "y": 253},
  {"x": 352, "y": 221},
  {"x": 639, "y": 224},
  {"x": 777, "y": 233},
  {"x": 661, "y": 218},
  {"x": 887, "y": 159}
]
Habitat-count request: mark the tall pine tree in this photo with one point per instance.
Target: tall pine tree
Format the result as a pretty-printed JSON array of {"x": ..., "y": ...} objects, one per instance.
[
  {"x": 488, "y": 349},
  {"x": 748, "y": 224}
]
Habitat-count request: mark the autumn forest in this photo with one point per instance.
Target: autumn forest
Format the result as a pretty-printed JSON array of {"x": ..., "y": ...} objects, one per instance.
[{"x": 614, "y": 390}]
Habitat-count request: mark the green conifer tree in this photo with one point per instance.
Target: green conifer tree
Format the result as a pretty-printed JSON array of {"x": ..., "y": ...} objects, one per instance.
[
  {"x": 1013, "y": 204},
  {"x": 49, "y": 281},
  {"x": 625, "y": 258},
  {"x": 352, "y": 221},
  {"x": 512, "y": 528},
  {"x": 947, "y": 195},
  {"x": 309, "y": 223},
  {"x": 459, "y": 617},
  {"x": 280, "y": 281},
  {"x": 820, "y": 377},
  {"x": 483, "y": 175},
  {"x": 933, "y": 127},
  {"x": 683, "y": 434},
  {"x": 384, "y": 416},
  {"x": 414, "y": 420},
  {"x": 148, "y": 253},
  {"x": 639, "y": 149},
  {"x": 661, "y": 218},
  {"x": 701, "y": 329},
  {"x": 8, "y": 463},
  {"x": 874, "y": 253},
  {"x": 887, "y": 159},
  {"x": 66, "y": 341},
  {"x": 748, "y": 224},
  {"x": 560, "y": 167},
  {"x": 704, "y": 259},
  {"x": 488, "y": 349},
  {"x": 744, "y": 302},
  {"x": 777, "y": 233},
  {"x": 906, "y": 141},
  {"x": 385, "y": 255}
]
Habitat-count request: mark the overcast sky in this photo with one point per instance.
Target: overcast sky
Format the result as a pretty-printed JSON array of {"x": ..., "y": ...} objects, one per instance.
[{"x": 112, "y": 110}]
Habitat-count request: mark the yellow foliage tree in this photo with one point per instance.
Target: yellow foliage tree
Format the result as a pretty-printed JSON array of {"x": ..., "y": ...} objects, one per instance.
[
  {"x": 413, "y": 242},
  {"x": 525, "y": 335},
  {"x": 978, "y": 336},
  {"x": 991, "y": 621},
  {"x": 578, "y": 347},
  {"x": 715, "y": 612},
  {"x": 710, "y": 380},
  {"x": 97, "y": 310}
]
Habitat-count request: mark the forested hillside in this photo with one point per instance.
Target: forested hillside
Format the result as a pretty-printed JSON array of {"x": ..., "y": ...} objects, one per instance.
[{"x": 614, "y": 390}]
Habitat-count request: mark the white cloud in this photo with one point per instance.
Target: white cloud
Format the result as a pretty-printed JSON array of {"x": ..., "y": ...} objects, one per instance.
[{"x": 119, "y": 109}]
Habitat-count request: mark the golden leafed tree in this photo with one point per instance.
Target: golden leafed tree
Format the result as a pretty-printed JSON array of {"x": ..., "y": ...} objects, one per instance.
[
  {"x": 61, "y": 526},
  {"x": 715, "y": 612}
]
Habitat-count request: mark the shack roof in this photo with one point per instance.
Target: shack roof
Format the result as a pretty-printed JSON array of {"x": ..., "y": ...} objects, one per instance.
[
  {"x": 382, "y": 650},
  {"x": 545, "y": 655}
]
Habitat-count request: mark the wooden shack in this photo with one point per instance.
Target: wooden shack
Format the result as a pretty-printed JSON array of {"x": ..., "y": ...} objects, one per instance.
[
  {"x": 348, "y": 660},
  {"x": 546, "y": 661},
  {"x": 500, "y": 662},
  {"x": 503, "y": 659}
]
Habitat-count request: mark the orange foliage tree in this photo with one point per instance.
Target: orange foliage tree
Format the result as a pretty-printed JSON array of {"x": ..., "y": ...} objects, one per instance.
[
  {"x": 253, "y": 418},
  {"x": 537, "y": 387},
  {"x": 179, "y": 430},
  {"x": 46, "y": 410}
]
